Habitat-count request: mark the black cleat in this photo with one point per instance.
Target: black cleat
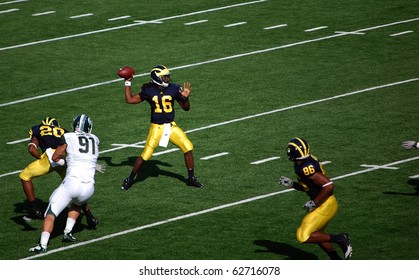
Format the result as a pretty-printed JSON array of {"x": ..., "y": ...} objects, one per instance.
[
  {"x": 68, "y": 237},
  {"x": 32, "y": 215},
  {"x": 193, "y": 182},
  {"x": 126, "y": 184},
  {"x": 92, "y": 222},
  {"x": 345, "y": 245}
]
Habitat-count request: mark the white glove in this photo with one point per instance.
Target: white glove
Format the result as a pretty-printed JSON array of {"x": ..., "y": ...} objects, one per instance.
[
  {"x": 409, "y": 144},
  {"x": 49, "y": 152},
  {"x": 286, "y": 182},
  {"x": 100, "y": 167},
  {"x": 310, "y": 205}
]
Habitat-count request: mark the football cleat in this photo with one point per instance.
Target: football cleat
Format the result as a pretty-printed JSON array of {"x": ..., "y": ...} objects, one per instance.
[
  {"x": 126, "y": 184},
  {"x": 32, "y": 215},
  {"x": 38, "y": 249},
  {"x": 92, "y": 222},
  {"x": 68, "y": 237},
  {"x": 193, "y": 182},
  {"x": 345, "y": 245}
]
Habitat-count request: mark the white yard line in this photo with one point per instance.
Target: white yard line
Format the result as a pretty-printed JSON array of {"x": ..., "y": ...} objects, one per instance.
[
  {"x": 40, "y": 96},
  {"x": 193, "y": 214},
  {"x": 13, "y": 2},
  {"x": 401, "y": 33},
  {"x": 128, "y": 25}
]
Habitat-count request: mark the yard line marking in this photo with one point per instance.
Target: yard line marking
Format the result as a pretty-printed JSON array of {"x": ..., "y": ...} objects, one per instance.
[
  {"x": 43, "y": 13},
  {"x": 195, "y": 22},
  {"x": 128, "y": 145},
  {"x": 182, "y": 217},
  {"x": 277, "y": 110},
  {"x": 9, "y": 11},
  {"x": 315, "y": 28},
  {"x": 193, "y": 214},
  {"x": 80, "y": 16},
  {"x": 118, "y": 18},
  {"x": 326, "y": 162},
  {"x": 39, "y": 96},
  {"x": 214, "y": 156},
  {"x": 401, "y": 33},
  {"x": 378, "y": 166},
  {"x": 18, "y": 141},
  {"x": 265, "y": 160},
  {"x": 275, "y": 26},
  {"x": 414, "y": 176},
  {"x": 375, "y": 168},
  {"x": 128, "y": 25},
  {"x": 303, "y": 104},
  {"x": 350, "y": 33},
  {"x": 10, "y": 173},
  {"x": 12, "y": 2},
  {"x": 235, "y": 24}
]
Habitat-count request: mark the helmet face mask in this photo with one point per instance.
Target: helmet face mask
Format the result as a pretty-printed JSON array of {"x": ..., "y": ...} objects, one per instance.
[
  {"x": 298, "y": 149},
  {"x": 82, "y": 123},
  {"x": 50, "y": 121},
  {"x": 160, "y": 75}
]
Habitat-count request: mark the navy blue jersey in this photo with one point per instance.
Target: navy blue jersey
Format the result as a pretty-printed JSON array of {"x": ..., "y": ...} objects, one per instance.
[
  {"x": 48, "y": 136},
  {"x": 161, "y": 101},
  {"x": 304, "y": 169}
]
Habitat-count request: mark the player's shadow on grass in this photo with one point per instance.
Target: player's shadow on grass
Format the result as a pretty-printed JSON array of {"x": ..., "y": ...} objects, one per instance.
[
  {"x": 34, "y": 225},
  {"x": 284, "y": 249},
  {"x": 151, "y": 168},
  {"x": 412, "y": 182}
]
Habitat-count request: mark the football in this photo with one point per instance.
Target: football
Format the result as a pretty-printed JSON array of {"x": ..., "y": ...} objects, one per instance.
[{"x": 126, "y": 72}]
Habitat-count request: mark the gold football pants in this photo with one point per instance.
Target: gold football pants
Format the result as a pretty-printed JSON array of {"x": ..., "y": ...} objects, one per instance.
[
  {"x": 40, "y": 167},
  {"x": 317, "y": 219},
  {"x": 177, "y": 137}
]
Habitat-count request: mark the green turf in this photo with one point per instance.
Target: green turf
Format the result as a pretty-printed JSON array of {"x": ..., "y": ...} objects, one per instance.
[{"x": 245, "y": 82}]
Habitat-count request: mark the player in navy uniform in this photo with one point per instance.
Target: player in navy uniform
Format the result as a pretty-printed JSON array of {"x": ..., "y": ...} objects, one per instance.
[
  {"x": 322, "y": 206},
  {"x": 161, "y": 95},
  {"x": 47, "y": 137}
]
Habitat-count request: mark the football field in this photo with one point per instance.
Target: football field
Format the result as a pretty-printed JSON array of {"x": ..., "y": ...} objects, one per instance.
[{"x": 344, "y": 75}]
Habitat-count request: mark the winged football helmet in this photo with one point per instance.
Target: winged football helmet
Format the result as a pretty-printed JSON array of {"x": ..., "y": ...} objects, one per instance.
[
  {"x": 298, "y": 149},
  {"x": 157, "y": 73},
  {"x": 82, "y": 123},
  {"x": 50, "y": 121}
]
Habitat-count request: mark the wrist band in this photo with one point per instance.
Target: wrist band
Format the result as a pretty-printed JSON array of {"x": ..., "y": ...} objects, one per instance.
[
  {"x": 127, "y": 83},
  {"x": 417, "y": 145}
]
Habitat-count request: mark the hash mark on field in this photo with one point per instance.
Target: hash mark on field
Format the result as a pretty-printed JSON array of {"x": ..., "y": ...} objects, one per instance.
[
  {"x": 275, "y": 26},
  {"x": 214, "y": 156},
  {"x": 118, "y": 18},
  {"x": 265, "y": 160},
  {"x": 378, "y": 166},
  {"x": 401, "y": 33},
  {"x": 235, "y": 24},
  {"x": 43, "y": 13},
  {"x": 9, "y": 11},
  {"x": 80, "y": 16},
  {"x": 315, "y": 28},
  {"x": 195, "y": 22},
  {"x": 414, "y": 176}
]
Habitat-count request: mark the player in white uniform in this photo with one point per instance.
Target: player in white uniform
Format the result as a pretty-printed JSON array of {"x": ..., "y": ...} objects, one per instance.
[{"x": 82, "y": 150}]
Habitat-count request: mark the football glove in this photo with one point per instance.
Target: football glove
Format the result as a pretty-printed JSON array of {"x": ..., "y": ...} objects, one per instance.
[
  {"x": 310, "y": 205},
  {"x": 286, "y": 182},
  {"x": 49, "y": 152},
  {"x": 409, "y": 144},
  {"x": 100, "y": 167}
]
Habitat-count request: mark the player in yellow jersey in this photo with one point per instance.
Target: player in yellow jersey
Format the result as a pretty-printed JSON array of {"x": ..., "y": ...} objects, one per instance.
[
  {"x": 322, "y": 206},
  {"x": 45, "y": 136}
]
